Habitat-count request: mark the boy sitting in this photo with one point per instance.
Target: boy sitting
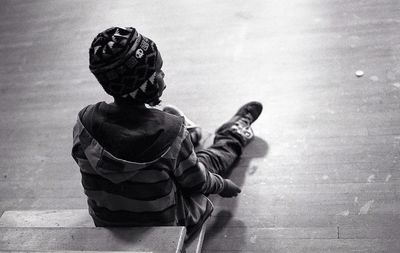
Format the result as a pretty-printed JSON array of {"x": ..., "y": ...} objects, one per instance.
[{"x": 138, "y": 164}]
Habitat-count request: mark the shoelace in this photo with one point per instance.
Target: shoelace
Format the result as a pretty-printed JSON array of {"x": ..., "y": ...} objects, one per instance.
[
  {"x": 242, "y": 126},
  {"x": 245, "y": 120}
]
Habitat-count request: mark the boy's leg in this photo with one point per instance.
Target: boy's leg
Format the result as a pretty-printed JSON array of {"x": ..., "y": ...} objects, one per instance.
[{"x": 230, "y": 139}]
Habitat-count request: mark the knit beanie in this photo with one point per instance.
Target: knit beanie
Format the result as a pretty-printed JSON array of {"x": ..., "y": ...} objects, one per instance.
[{"x": 124, "y": 62}]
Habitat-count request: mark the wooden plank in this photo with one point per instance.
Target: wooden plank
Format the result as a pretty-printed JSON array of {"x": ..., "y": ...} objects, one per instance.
[
  {"x": 150, "y": 239},
  {"x": 221, "y": 220},
  {"x": 42, "y": 203},
  {"x": 292, "y": 220},
  {"x": 315, "y": 199},
  {"x": 73, "y": 189},
  {"x": 72, "y": 251},
  {"x": 69, "y": 219},
  {"x": 369, "y": 231},
  {"x": 72, "y": 218},
  {"x": 377, "y": 231},
  {"x": 258, "y": 173},
  {"x": 245, "y": 244},
  {"x": 41, "y": 189},
  {"x": 253, "y": 233},
  {"x": 47, "y": 218}
]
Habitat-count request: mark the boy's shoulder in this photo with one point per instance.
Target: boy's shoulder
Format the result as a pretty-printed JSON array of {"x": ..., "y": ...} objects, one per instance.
[
  {"x": 105, "y": 111},
  {"x": 150, "y": 130},
  {"x": 91, "y": 108}
]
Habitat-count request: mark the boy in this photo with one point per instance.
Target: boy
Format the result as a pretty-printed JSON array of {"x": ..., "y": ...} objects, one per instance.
[{"x": 138, "y": 164}]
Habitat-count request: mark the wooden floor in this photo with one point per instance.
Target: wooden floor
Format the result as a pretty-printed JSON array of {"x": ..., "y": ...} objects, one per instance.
[{"x": 323, "y": 174}]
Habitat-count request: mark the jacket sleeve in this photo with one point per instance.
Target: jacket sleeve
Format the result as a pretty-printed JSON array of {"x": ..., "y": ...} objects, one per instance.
[
  {"x": 191, "y": 175},
  {"x": 77, "y": 151}
]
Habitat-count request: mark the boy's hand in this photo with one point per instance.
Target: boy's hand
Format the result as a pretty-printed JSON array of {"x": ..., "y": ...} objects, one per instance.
[{"x": 230, "y": 189}]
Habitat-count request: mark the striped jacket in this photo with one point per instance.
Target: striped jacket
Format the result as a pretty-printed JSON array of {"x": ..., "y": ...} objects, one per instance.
[{"x": 139, "y": 168}]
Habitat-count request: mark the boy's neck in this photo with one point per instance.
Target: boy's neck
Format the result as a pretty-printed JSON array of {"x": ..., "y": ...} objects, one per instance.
[{"x": 128, "y": 102}]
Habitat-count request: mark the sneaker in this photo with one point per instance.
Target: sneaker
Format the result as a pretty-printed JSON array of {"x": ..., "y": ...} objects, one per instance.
[
  {"x": 194, "y": 130},
  {"x": 240, "y": 123}
]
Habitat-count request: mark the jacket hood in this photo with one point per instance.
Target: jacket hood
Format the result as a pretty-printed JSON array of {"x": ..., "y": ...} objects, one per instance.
[{"x": 113, "y": 160}]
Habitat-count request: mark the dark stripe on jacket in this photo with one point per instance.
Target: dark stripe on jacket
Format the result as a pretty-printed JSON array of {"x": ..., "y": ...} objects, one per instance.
[
  {"x": 131, "y": 190},
  {"x": 190, "y": 172},
  {"x": 127, "y": 218},
  {"x": 186, "y": 150}
]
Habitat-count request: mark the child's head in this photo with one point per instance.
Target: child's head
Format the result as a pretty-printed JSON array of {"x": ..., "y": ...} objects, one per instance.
[{"x": 127, "y": 65}]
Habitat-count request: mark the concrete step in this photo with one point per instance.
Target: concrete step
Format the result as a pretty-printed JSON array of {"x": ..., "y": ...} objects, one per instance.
[
  {"x": 73, "y": 218},
  {"x": 138, "y": 239}
]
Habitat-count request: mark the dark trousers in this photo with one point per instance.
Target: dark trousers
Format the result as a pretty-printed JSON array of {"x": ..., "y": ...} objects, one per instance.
[{"x": 223, "y": 153}]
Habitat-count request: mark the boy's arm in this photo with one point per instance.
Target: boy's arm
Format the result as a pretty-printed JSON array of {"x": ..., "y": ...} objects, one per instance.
[
  {"x": 77, "y": 151},
  {"x": 191, "y": 175}
]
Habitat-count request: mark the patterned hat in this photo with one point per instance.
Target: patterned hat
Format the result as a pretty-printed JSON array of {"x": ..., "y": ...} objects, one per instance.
[{"x": 124, "y": 62}]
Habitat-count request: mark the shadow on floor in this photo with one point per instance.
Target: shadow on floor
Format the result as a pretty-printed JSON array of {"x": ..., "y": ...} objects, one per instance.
[{"x": 258, "y": 148}]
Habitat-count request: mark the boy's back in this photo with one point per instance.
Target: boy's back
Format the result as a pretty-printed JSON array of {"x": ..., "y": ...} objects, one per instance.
[
  {"x": 127, "y": 156},
  {"x": 118, "y": 127}
]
